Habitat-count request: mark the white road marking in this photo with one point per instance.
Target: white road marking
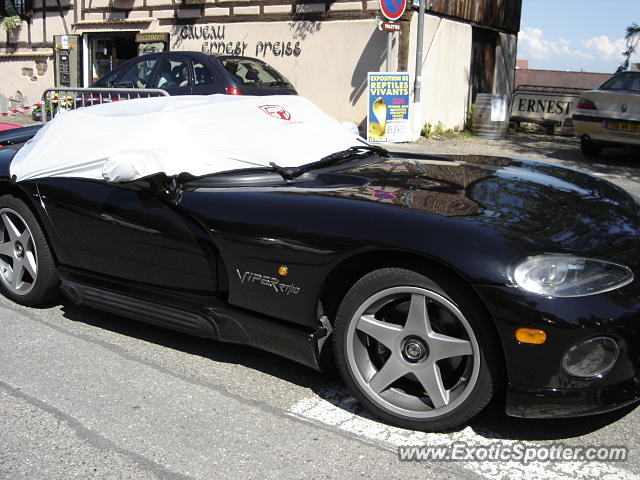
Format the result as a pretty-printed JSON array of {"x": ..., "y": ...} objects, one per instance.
[{"x": 338, "y": 410}]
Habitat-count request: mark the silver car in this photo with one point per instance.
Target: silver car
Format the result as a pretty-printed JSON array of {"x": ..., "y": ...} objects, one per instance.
[{"x": 610, "y": 115}]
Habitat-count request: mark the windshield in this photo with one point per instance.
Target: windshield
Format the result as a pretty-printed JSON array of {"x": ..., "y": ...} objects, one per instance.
[{"x": 108, "y": 80}]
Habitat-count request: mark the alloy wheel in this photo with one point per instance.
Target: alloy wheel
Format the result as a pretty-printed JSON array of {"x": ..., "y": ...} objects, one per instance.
[
  {"x": 18, "y": 256},
  {"x": 412, "y": 352}
]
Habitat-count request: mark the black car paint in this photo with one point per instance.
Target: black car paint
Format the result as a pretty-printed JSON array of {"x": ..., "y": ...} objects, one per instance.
[
  {"x": 214, "y": 232},
  {"x": 18, "y": 136}
]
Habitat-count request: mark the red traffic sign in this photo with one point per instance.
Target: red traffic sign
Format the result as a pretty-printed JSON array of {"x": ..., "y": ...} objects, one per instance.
[
  {"x": 389, "y": 27},
  {"x": 392, "y": 9}
]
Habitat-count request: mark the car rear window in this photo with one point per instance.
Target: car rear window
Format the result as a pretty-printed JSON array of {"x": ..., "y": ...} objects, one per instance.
[
  {"x": 250, "y": 73},
  {"x": 623, "y": 81}
]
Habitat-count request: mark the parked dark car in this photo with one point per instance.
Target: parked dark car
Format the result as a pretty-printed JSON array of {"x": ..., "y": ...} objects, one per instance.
[
  {"x": 195, "y": 73},
  {"x": 435, "y": 280}
]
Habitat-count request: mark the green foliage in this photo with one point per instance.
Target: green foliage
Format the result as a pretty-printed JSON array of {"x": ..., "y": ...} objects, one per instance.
[
  {"x": 9, "y": 8},
  {"x": 11, "y": 23},
  {"x": 426, "y": 130},
  {"x": 429, "y": 130},
  {"x": 632, "y": 38},
  {"x": 50, "y": 108},
  {"x": 468, "y": 118}
]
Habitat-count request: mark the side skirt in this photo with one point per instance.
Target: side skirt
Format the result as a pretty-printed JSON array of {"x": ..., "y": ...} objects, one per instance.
[{"x": 193, "y": 315}]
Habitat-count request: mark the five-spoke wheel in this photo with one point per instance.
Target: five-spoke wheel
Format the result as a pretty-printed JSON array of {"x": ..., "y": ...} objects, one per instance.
[
  {"x": 409, "y": 352},
  {"x": 18, "y": 254},
  {"x": 27, "y": 271}
]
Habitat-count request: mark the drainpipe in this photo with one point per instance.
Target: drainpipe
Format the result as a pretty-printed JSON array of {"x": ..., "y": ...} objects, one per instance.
[{"x": 419, "y": 38}]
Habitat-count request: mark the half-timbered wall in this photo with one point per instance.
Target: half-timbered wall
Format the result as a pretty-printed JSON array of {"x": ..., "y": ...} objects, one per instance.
[{"x": 324, "y": 48}]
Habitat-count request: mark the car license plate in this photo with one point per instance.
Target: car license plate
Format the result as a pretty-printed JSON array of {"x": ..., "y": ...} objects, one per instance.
[{"x": 626, "y": 126}]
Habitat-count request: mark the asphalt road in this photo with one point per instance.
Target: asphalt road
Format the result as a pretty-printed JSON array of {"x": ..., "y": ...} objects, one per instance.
[{"x": 85, "y": 394}]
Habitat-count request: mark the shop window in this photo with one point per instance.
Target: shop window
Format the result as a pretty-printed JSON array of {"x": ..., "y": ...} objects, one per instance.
[
  {"x": 107, "y": 52},
  {"x": 20, "y": 8}
]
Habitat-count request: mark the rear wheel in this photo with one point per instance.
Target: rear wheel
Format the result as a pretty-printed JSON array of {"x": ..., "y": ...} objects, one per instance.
[
  {"x": 589, "y": 148},
  {"x": 415, "y": 352},
  {"x": 27, "y": 270}
]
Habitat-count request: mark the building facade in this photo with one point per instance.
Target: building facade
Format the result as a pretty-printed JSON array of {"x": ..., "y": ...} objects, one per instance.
[{"x": 324, "y": 48}]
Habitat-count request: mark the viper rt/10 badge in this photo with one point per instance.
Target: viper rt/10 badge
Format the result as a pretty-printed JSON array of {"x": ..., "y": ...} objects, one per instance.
[{"x": 268, "y": 281}]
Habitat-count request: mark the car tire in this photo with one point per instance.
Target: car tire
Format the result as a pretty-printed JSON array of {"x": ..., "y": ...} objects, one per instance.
[
  {"x": 27, "y": 269},
  {"x": 417, "y": 352},
  {"x": 589, "y": 148}
]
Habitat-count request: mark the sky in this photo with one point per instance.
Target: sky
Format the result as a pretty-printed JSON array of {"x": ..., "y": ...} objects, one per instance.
[{"x": 576, "y": 35}]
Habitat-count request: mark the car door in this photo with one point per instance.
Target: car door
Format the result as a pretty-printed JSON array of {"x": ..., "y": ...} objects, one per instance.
[
  {"x": 137, "y": 75},
  {"x": 173, "y": 75},
  {"x": 206, "y": 80},
  {"x": 128, "y": 232}
]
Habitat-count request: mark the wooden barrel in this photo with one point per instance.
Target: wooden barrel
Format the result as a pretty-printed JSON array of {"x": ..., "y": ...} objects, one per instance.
[{"x": 491, "y": 116}]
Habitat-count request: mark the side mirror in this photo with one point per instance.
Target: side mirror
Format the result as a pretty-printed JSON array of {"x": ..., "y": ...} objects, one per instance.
[{"x": 139, "y": 171}]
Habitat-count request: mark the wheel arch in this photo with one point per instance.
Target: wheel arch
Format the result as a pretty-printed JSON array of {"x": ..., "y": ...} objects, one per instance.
[
  {"x": 350, "y": 270},
  {"x": 8, "y": 188}
]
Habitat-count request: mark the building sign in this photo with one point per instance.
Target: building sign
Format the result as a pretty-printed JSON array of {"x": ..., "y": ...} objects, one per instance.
[
  {"x": 389, "y": 27},
  {"x": 152, "y": 37},
  {"x": 393, "y": 9},
  {"x": 388, "y": 112},
  {"x": 66, "y": 60},
  {"x": 151, "y": 42},
  {"x": 63, "y": 67},
  {"x": 213, "y": 39},
  {"x": 543, "y": 107}
]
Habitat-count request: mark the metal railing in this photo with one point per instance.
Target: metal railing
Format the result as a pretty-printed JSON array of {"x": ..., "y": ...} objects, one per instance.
[{"x": 61, "y": 99}]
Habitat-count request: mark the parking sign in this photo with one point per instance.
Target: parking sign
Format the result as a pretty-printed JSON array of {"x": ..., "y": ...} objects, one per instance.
[{"x": 392, "y": 9}]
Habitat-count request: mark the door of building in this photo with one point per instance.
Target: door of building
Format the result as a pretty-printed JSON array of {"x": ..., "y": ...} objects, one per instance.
[
  {"x": 483, "y": 60},
  {"x": 108, "y": 50}
]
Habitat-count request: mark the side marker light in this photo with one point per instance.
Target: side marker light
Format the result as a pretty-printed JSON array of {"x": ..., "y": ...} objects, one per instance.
[{"x": 531, "y": 336}]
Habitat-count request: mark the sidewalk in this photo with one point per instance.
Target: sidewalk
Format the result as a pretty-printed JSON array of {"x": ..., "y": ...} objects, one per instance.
[{"x": 22, "y": 119}]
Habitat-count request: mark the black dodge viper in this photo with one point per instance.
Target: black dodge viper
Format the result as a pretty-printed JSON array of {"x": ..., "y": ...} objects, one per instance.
[{"x": 434, "y": 282}]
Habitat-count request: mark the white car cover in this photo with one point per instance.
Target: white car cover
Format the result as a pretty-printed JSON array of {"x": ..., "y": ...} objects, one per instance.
[{"x": 199, "y": 135}]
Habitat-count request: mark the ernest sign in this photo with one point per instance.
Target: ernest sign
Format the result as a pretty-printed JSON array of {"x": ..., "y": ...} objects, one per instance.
[{"x": 542, "y": 107}]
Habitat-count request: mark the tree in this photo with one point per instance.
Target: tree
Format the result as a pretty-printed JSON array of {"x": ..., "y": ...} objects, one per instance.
[{"x": 633, "y": 38}]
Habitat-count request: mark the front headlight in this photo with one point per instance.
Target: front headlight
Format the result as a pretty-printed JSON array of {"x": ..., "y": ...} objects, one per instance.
[{"x": 568, "y": 276}]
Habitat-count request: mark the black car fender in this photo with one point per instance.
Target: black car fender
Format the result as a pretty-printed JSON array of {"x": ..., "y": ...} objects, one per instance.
[{"x": 282, "y": 250}]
